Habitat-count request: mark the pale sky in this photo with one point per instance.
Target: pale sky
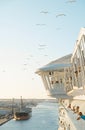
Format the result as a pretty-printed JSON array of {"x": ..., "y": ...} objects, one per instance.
[{"x": 33, "y": 33}]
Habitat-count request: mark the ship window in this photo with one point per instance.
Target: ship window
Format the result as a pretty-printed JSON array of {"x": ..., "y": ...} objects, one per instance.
[
  {"x": 57, "y": 81},
  {"x": 61, "y": 80},
  {"x": 49, "y": 73},
  {"x": 52, "y": 82}
]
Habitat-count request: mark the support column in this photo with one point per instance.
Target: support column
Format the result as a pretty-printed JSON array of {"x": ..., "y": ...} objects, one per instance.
[{"x": 44, "y": 81}]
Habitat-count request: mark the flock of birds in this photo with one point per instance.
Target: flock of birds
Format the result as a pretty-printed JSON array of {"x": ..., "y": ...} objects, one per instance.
[
  {"x": 45, "y": 12},
  {"x": 43, "y": 46},
  {"x": 57, "y": 15}
]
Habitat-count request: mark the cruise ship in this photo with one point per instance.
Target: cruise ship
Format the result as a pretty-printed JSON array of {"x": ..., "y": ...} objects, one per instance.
[{"x": 64, "y": 79}]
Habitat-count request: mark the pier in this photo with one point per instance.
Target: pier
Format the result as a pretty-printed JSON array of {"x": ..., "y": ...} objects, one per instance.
[{"x": 5, "y": 119}]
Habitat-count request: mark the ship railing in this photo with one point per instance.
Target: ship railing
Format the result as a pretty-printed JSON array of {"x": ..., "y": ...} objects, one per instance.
[{"x": 76, "y": 124}]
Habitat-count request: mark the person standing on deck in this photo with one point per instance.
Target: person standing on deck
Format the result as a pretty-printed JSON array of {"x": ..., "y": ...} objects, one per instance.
[{"x": 81, "y": 116}]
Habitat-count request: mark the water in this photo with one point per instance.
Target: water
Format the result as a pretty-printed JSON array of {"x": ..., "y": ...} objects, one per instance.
[{"x": 44, "y": 117}]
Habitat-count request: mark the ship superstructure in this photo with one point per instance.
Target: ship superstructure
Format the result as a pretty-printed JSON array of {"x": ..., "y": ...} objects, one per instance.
[{"x": 65, "y": 79}]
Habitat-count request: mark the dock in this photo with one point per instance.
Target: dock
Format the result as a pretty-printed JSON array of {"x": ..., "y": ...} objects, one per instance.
[{"x": 5, "y": 119}]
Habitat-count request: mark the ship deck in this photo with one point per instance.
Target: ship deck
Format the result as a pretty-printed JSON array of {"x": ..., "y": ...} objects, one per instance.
[{"x": 77, "y": 124}]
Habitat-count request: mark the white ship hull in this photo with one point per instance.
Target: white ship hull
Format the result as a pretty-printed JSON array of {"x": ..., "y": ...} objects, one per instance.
[{"x": 64, "y": 79}]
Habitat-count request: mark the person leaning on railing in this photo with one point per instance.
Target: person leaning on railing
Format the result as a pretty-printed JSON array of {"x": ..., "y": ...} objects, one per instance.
[
  {"x": 69, "y": 106},
  {"x": 76, "y": 109},
  {"x": 81, "y": 116}
]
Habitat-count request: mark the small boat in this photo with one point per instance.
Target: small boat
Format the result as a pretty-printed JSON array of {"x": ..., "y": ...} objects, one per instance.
[{"x": 23, "y": 113}]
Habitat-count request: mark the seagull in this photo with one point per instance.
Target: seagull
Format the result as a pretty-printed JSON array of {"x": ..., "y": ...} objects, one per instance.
[
  {"x": 58, "y": 28},
  {"x": 40, "y": 24},
  {"x": 42, "y": 45},
  {"x": 25, "y": 64},
  {"x": 41, "y": 48},
  {"x": 45, "y": 55},
  {"x": 4, "y": 71},
  {"x": 58, "y": 15},
  {"x": 44, "y": 12},
  {"x": 71, "y": 1}
]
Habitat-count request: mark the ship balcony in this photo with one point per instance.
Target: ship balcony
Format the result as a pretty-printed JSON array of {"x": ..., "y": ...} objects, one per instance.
[
  {"x": 58, "y": 91},
  {"x": 76, "y": 91}
]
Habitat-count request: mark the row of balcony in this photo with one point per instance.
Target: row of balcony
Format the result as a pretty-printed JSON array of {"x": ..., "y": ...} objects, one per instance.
[{"x": 66, "y": 79}]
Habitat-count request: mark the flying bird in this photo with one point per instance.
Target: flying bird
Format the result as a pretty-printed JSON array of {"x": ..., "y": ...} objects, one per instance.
[
  {"x": 25, "y": 64},
  {"x": 45, "y": 55},
  {"x": 44, "y": 12},
  {"x": 42, "y": 45},
  {"x": 58, "y": 15},
  {"x": 71, "y": 1},
  {"x": 58, "y": 28},
  {"x": 40, "y": 24},
  {"x": 3, "y": 70},
  {"x": 41, "y": 48}
]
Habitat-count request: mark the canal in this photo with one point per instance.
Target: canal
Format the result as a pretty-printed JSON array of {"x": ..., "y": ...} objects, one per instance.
[{"x": 44, "y": 117}]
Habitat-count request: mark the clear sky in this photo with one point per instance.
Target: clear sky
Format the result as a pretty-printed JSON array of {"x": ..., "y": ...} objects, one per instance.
[{"x": 33, "y": 33}]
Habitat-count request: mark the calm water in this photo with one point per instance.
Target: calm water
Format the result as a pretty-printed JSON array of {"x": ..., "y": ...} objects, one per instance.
[{"x": 44, "y": 117}]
